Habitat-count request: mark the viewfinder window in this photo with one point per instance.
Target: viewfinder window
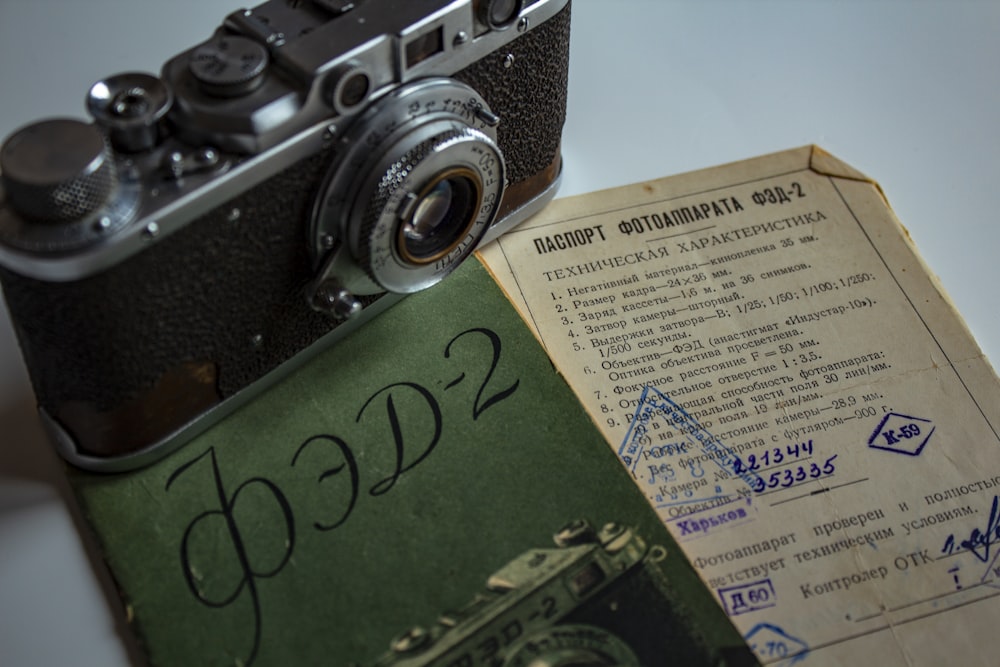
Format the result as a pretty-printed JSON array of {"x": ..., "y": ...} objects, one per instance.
[{"x": 420, "y": 49}]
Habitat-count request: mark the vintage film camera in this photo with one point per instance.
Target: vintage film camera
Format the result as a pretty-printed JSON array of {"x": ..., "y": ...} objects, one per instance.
[
  {"x": 599, "y": 599},
  {"x": 275, "y": 187}
]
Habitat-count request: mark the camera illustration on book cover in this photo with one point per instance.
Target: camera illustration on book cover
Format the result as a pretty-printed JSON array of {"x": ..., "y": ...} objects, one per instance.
[
  {"x": 272, "y": 189},
  {"x": 598, "y": 599}
]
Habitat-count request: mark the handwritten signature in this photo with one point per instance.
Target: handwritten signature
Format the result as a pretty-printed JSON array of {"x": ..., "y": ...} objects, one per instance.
[{"x": 980, "y": 542}]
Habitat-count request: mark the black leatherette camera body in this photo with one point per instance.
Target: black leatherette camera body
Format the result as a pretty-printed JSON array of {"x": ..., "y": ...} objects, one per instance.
[{"x": 141, "y": 353}]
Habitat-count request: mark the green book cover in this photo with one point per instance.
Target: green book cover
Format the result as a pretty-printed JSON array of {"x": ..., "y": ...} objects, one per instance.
[{"x": 395, "y": 502}]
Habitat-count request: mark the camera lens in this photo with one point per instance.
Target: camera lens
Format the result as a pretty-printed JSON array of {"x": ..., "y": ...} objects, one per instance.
[
  {"x": 417, "y": 186},
  {"x": 442, "y": 215},
  {"x": 429, "y": 202},
  {"x": 572, "y": 659}
]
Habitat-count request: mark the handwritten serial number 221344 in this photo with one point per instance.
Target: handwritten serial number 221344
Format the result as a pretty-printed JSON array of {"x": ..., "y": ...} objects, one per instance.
[{"x": 788, "y": 475}]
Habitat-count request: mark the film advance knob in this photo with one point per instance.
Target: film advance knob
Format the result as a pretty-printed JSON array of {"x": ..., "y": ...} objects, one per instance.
[{"x": 57, "y": 170}]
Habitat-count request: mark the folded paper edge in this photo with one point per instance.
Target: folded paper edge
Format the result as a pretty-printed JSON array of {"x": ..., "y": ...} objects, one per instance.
[{"x": 825, "y": 163}]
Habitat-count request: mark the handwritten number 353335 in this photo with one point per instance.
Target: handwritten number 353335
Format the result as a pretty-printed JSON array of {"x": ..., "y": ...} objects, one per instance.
[{"x": 225, "y": 519}]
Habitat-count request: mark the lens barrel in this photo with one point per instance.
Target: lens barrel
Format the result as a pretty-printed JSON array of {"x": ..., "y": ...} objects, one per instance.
[{"x": 413, "y": 193}]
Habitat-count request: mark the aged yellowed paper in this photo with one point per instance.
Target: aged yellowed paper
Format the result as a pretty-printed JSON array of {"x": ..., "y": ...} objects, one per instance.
[{"x": 788, "y": 385}]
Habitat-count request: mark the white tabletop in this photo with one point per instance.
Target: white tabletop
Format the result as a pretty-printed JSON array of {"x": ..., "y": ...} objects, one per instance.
[{"x": 906, "y": 91}]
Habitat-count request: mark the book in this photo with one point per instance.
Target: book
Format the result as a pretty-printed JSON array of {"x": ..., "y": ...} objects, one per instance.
[{"x": 396, "y": 502}]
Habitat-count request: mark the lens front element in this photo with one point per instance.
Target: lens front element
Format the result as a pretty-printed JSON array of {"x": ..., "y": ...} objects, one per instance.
[
  {"x": 429, "y": 207},
  {"x": 442, "y": 215}
]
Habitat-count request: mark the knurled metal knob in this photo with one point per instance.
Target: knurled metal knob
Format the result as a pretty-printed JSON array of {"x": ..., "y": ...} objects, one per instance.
[{"x": 57, "y": 170}]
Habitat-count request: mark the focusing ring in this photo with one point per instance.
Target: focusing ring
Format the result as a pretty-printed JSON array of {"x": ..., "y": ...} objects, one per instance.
[
  {"x": 396, "y": 197},
  {"x": 416, "y": 184}
]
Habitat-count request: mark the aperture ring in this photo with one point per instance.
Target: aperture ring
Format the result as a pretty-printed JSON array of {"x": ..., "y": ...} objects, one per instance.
[{"x": 397, "y": 191}]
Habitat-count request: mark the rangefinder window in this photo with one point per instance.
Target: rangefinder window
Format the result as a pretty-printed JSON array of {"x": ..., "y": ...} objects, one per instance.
[
  {"x": 586, "y": 580},
  {"x": 354, "y": 90},
  {"x": 498, "y": 14},
  {"x": 423, "y": 47}
]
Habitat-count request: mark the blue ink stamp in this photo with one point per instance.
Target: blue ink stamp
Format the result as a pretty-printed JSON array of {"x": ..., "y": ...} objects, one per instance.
[
  {"x": 771, "y": 644},
  {"x": 681, "y": 465},
  {"x": 745, "y": 598},
  {"x": 707, "y": 517},
  {"x": 902, "y": 434}
]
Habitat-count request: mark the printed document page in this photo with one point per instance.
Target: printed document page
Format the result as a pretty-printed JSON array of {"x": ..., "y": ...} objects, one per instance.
[{"x": 788, "y": 385}]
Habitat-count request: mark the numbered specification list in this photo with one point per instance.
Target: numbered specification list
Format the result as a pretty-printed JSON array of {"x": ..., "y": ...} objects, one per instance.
[{"x": 763, "y": 349}]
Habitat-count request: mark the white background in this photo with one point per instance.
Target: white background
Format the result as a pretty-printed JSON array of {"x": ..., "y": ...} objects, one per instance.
[{"x": 906, "y": 91}]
